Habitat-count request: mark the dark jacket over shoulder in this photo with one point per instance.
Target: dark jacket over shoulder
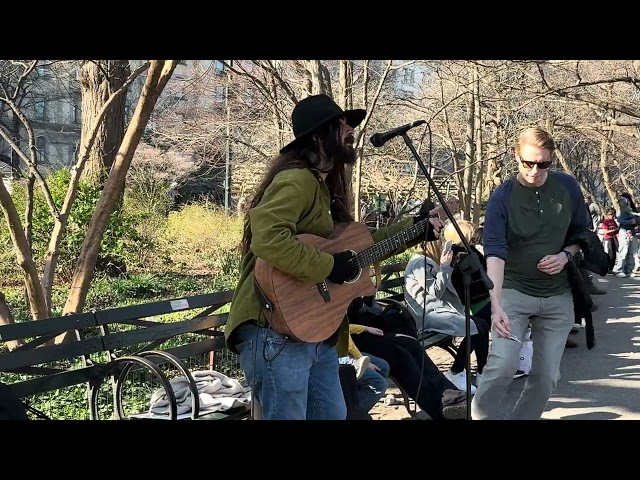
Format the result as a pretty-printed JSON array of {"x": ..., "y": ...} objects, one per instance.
[{"x": 594, "y": 257}]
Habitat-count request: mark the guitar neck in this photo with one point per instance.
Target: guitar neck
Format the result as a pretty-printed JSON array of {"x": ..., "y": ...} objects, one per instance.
[{"x": 381, "y": 249}]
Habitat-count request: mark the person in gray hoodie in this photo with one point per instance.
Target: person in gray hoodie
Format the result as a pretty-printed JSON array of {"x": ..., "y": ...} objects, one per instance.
[{"x": 434, "y": 303}]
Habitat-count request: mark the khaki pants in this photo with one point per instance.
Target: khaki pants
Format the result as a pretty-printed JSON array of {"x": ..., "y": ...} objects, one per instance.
[{"x": 551, "y": 321}]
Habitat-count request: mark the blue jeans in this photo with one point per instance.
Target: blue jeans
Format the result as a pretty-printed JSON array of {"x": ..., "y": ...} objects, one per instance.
[
  {"x": 291, "y": 380},
  {"x": 373, "y": 384}
]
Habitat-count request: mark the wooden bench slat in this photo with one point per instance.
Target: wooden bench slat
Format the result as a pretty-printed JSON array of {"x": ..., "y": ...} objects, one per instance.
[
  {"x": 56, "y": 381},
  {"x": 162, "y": 330},
  {"x": 140, "y": 311},
  {"x": 50, "y": 353},
  {"x": 195, "y": 348},
  {"x": 47, "y": 326}
]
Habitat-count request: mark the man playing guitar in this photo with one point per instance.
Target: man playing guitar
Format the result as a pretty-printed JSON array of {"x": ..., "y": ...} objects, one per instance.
[{"x": 304, "y": 192}]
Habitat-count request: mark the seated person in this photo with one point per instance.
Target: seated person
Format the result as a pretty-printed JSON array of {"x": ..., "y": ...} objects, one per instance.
[
  {"x": 433, "y": 302},
  {"x": 480, "y": 303},
  {"x": 395, "y": 340},
  {"x": 372, "y": 372}
]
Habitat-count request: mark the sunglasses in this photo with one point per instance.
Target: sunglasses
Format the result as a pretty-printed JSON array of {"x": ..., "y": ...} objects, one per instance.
[{"x": 530, "y": 165}]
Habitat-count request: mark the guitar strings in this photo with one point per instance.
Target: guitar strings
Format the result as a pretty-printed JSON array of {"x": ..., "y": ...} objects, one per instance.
[{"x": 374, "y": 252}]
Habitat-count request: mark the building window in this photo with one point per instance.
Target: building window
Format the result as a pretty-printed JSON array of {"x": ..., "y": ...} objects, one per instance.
[
  {"x": 41, "y": 150},
  {"x": 76, "y": 116},
  {"x": 40, "y": 109},
  {"x": 218, "y": 66},
  {"x": 408, "y": 76},
  {"x": 220, "y": 93}
]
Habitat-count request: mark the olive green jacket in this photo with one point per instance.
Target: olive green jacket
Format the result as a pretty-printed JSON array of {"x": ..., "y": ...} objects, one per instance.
[{"x": 297, "y": 201}]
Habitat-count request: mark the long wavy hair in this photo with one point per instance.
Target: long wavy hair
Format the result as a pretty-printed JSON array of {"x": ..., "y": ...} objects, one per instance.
[{"x": 308, "y": 155}]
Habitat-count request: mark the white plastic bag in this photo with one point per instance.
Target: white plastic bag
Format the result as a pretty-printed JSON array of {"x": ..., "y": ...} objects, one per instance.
[{"x": 526, "y": 356}]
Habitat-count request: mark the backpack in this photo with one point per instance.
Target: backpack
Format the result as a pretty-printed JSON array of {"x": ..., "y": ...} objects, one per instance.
[{"x": 11, "y": 408}]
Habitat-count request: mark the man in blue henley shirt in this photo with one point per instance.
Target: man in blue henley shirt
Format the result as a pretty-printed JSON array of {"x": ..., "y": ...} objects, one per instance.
[{"x": 527, "y": 221}]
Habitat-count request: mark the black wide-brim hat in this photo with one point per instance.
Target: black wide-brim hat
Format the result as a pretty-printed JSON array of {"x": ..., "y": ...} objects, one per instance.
[{"x": 315, "y": 111}]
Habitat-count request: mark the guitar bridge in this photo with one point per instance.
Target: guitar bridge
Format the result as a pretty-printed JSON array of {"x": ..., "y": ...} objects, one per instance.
[{"x": 324, "y": 291}]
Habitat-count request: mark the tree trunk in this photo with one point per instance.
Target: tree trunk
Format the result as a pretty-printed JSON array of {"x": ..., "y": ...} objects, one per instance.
[
  {"x": 480, "y": 165},
  {"x": 91, "y": 127},
  {"x": 346, "y": 102},
  {"x": 468, "y": 152},
  {"x": 159, "y": 73},
  {"x": 24, "y": 259},
  {"x": 7, "y": 319},
  {"x": 315, "y": 72},
  {"x": 98, "y": 80},
  {"x": 567, "y": 168}
]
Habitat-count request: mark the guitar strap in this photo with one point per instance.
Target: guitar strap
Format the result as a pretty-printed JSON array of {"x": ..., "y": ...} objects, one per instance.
[{"x": 267, "y": 306}]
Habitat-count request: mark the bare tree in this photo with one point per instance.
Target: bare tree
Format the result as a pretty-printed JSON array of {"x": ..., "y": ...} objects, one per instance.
[
  {"x": 159, "y": 73},
  {"x": 39, "y": 293}
]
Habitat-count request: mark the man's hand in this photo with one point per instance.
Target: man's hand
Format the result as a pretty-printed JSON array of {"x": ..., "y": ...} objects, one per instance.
[
  {"x": 500, "y": 322},
  {"x": 553, "y": 264},
  {"x": 453, "y": 204},
  {"x": 437, "y": 226}
]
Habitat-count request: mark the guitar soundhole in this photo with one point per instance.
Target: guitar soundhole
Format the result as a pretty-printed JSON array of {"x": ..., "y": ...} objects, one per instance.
[{"x": 359, "y": 271}]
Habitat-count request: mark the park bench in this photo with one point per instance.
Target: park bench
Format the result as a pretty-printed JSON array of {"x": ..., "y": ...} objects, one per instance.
[
  {"x": 112, "y": 344},
  {"x": 115, "y": 342}
]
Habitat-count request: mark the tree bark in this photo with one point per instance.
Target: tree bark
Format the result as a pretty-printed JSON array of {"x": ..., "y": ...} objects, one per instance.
[
  {"x": 606, "y": 179},
  {"x": 480, "y": 165},
  {"x": 98, "y": 80},
  {"x": 92, "y": 129},
  {"x": 159, "y": 73},
  {"x": 468, "y": 151},
  {"x": 24, "y": 259}
]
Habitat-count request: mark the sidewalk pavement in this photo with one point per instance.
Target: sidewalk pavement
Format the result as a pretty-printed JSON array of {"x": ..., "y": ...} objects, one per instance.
[{"x": 602, "y": 383}]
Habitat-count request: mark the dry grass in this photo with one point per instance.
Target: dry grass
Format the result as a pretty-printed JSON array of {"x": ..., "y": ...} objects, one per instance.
[{"x": 200, "y": 238}]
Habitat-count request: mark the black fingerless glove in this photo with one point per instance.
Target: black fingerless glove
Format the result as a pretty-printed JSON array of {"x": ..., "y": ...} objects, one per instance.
[
  {"x": 423, "y": 214},
  {"x": 343, "y": 269}
]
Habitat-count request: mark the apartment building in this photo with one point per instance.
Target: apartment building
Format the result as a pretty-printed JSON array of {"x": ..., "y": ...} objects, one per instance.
[{"x": 52, "y": 105}]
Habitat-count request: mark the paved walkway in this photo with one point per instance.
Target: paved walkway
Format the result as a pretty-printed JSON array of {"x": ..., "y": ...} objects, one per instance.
[{"x": 602, "y": 383}]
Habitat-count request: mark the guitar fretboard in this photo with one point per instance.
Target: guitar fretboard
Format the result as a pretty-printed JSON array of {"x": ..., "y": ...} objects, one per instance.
[{"x": 377, "y": 251}]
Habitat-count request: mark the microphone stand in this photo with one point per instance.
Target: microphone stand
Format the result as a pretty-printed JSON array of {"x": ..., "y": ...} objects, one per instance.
[{"x": 468, "y": 262}]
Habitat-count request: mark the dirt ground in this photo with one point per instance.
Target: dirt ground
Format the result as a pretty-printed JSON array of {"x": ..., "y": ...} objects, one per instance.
[{"x": 398, "y": 412}]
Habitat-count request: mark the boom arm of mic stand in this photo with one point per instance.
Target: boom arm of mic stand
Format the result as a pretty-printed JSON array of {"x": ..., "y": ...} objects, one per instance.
[{"x": 472, "y": 262}]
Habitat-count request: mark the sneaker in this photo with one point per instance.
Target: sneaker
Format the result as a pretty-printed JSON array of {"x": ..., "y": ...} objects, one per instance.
[
  {"x": 520, "y": 374},
  {"x": 361, "y": 365},
  {"x": 460, "y": 380},
  {"x": 621, "y": 275}
]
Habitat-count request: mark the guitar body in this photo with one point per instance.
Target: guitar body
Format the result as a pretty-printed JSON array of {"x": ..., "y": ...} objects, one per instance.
[{"x": 299, "y": 309}]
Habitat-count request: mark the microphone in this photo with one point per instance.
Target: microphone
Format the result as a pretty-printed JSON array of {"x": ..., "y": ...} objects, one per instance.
[{"x": 380, "y": 139}]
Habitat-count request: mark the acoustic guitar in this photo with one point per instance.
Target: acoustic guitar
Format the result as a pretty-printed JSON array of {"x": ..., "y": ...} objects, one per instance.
[{"x": 309, "y": 312}]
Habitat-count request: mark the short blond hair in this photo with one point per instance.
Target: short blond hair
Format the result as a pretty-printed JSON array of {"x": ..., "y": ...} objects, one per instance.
[
  {"x": 537, "y": 137},
  {"x": 467, "y": 228}
]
